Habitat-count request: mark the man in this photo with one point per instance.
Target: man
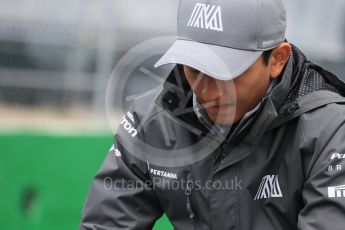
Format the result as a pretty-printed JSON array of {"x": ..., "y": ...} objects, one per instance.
[{"x": 278, "y": 120}]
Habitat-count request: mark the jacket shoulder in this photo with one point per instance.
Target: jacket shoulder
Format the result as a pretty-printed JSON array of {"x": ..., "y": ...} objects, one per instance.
[{"x": 323, "y": 132}]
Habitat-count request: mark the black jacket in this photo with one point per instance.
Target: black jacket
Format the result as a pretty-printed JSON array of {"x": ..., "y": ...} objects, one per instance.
[{"x": 282, "y": 171}]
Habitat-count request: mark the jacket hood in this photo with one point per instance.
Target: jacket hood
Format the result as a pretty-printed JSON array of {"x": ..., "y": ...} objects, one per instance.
[{"x": 311, "y": 87}]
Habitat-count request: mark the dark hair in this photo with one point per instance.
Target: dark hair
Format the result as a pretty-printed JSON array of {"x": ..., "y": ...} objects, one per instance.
[{"x": 266, "y": 56}]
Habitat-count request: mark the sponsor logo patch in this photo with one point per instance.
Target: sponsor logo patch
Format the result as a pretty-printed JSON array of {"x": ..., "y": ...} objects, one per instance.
[
  {"x": 163, "y": 173},
  {"x": 337, "y": 156},
  {"x": 205, "y": 16},
  {"x": 336, "y": 191},
  {"x": 128, "y": 126},
  {"x": 269, "y": 187},
  {"x": 116, "y": 152}
]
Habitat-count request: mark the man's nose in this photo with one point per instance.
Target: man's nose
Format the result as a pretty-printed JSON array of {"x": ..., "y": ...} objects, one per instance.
[{"x": 211, "y": 90}]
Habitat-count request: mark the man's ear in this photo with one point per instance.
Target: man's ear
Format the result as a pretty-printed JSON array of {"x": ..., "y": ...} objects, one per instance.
[{"x": 279, "y": 57}]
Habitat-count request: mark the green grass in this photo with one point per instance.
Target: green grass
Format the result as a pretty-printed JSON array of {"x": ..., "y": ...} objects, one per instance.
[{"x": 44, "y": 179}]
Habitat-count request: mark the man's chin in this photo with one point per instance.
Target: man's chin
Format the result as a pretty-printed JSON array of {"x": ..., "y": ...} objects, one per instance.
[
  {"x": 224, "y": 119},
  {"x": 224, "y": 122}
]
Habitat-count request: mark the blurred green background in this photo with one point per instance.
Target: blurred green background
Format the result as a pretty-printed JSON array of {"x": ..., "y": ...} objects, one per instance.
[{"x": 44, "y": 179}]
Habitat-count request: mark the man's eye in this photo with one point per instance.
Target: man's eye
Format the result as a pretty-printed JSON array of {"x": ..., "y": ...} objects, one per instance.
[{"x": 194, "y": 70}]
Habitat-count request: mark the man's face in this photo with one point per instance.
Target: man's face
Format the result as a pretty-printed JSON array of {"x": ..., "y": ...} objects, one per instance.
[{"x": 226, "y": 102}]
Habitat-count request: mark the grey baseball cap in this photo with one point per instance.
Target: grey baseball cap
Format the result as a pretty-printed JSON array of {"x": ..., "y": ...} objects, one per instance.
[{"x": 224, "y": 38}]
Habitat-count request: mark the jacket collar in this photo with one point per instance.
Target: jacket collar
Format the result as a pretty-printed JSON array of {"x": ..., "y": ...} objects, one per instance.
[{"x": 281, "y": 90}]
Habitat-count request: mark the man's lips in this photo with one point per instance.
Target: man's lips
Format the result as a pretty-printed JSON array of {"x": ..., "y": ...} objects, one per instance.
[
  {"x": 218, "y": 108},
  {"x": 213, "y": 106}
]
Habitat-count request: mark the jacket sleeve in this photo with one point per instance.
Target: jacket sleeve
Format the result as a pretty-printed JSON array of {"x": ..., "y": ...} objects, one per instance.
[
  {"x": 120, "y": 197},
  {"x": 324, "y": 188}
]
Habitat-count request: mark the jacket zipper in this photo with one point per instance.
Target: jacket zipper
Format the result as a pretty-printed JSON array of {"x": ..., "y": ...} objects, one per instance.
[
  {"x": 188, "y": 193},
  {"x": 219, "y": 157}
]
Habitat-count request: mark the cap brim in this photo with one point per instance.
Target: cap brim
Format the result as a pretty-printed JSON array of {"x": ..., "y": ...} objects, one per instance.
[{"x": 219, "y": 62}]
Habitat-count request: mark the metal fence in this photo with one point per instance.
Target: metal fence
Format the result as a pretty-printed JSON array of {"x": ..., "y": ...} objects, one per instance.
[{"x": 61, "y": 52}]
